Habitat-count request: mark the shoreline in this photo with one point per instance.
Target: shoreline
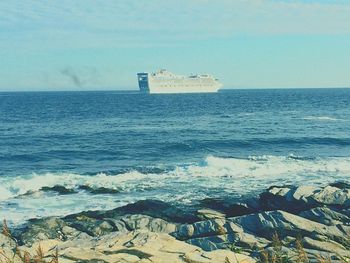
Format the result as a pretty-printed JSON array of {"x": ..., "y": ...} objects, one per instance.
[{"x": 305, "y": 223}]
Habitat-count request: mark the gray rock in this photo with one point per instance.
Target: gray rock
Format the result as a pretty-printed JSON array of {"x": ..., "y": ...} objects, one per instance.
[
  {"x": 345, "y": 211},
  {"x": 210, "y": 214},
  {"x": 304, "y": 192},
  {"x": 327, "y": 246},
  {"x": 333, "y": 196},
  {"x": 218, "y": 234},
  {"x": 212, "y": 242},
  {"x": 286, "y": 224},
  {"x": 118, "y": 224},
  {"x": 42, "y": 229},
  {"x": 298, "y": 199},
  {"x": 325, "y": 215},
  {"x": 201, "y": 229},
  {"x": 233, "y": 241},
  {"x": 91, "y": 226},
  {"x": 103, "y": 228},
  {"x": 152, "y": 208},
  {"x": 287, "y": 198},
  {"x": 133, "y": 222},
  {"x": 71, "y": 233},
  {"x": 6, "y": 241}
]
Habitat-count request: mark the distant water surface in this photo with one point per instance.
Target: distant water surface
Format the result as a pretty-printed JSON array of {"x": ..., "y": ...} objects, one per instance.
[{"x": 109, "y": 148}]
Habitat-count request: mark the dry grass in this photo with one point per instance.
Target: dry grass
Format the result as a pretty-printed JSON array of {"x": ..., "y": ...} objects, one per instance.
[
  {"x": 24, "y": 257},
  {"x": 55, "y": 256},
  {"x": 5, "y": 229},
  {"x": 321, "y": 259},
  {"x": 301, "y": 254},
  {"x": 276, "y": 255},
  {"x": 221, "y": 230},
  {"x": 39, "y": 257},
  {"x": 264, "y": 256}
]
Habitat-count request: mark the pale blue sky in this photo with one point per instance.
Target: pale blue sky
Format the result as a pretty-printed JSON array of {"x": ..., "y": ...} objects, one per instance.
[{"x": 102, "y": 44}]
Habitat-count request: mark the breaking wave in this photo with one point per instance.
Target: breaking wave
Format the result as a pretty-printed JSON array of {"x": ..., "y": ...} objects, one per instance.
[
  {"x": 58, "y": 194},
  {"x": 259, "y": 167},
  {"x": 322, "y": 118}
]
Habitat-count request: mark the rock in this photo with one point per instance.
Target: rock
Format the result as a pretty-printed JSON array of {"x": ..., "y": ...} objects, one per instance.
[
  {"x": 103, "y": 228},
  {"x": 304, "y": 192},
  {"x": 118, "y": 224},
  {"x": 216, "y": 256},
  {"x": 230, "y": 207},
  {"x": 211, "y": 243},
  {"x": 217, "y": 234},
  {"x": 207, "y": 232},
  {"x": 325, "y": 216},
  {"x": 99, "y": 190},
  {"x": 249, "y": 241},
  {"x": 209, "y": 214},
  {"x": 298, "y": 199},
  {"x": 142, "y": 246},
  {"x": 91, "y": 226},
  {"x": 134, "y": 222},
  {"x": 152, "y": 208},
  {"x": 60, "y": 189},
  {"x": 285, "y": 224},
  {"x": 7, "y": 255},
  {"x": 229, "y": 241},
  {"x": 290, "y": 199},
  {"x": 282, "y": 251},
  {"x": 201, "y": 229},
  {"x": 331, "y": 195},
  {"x": 341, "y": 185},
  {"x": 6, "y": 241},
  {"x": 345, "y": 211},
  {"x": 322, "y": 256},
  {"x": 281, "y": 191},
  {"x": 328, "y": 246},
  {"x": 72, "y": 233},
  {"x": 42, "y": 229}
]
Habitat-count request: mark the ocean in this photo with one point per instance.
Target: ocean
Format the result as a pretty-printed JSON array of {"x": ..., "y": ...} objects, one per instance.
[{"x": 66, "y": 152}]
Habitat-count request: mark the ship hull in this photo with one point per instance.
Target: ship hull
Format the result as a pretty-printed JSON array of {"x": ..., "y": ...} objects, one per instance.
[{"x": 157, "y": 89}]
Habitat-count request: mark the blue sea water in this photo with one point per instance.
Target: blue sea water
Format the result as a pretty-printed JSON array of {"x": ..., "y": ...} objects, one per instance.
[{"x": 112, "y": 148}]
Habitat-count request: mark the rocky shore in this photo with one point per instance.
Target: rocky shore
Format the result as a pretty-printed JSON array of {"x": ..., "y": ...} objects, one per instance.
[{"x": 282, "y": 224}]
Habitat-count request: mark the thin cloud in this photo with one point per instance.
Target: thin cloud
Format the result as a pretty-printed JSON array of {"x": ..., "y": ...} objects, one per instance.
[{"x": 156, "y": 20}]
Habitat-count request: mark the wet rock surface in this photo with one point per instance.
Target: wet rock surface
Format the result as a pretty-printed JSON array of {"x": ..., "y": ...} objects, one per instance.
[{"x": 286, "y": 221}]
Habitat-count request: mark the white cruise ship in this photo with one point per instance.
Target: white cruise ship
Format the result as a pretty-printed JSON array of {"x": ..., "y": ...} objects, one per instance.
[{"x": 164, "y": 81}]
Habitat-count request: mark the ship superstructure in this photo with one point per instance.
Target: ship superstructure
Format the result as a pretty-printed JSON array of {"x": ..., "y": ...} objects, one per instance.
[{"x": 164, "y": 81}]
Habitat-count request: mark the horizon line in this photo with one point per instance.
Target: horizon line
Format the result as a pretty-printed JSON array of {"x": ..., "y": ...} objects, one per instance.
[{"x": 137, "y": 90}]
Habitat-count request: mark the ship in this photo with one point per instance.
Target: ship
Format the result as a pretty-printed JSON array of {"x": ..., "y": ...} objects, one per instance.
[{"x": 164, "y": 81}]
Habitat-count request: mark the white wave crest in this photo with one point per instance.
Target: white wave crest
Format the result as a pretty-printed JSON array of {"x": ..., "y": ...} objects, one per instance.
[
  {"x": 16, "y": 186},
  {"x": 322, "y": 118},
  {"x": 265, "y": 166},
  {"x": 185, "y": 183}
]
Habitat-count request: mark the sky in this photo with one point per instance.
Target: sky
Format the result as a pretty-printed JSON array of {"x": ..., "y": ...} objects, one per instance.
[{"x": 102, "y": 44}]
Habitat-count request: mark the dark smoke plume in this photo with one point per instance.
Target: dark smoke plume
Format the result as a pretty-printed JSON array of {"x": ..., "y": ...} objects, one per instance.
[{"x": 72, "y": 76}]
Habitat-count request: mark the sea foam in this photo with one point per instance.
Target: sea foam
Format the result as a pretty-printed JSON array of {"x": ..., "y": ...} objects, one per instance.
[
  {"x": 22, "y": 197},
  {"x": 322, "y": 118}
]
